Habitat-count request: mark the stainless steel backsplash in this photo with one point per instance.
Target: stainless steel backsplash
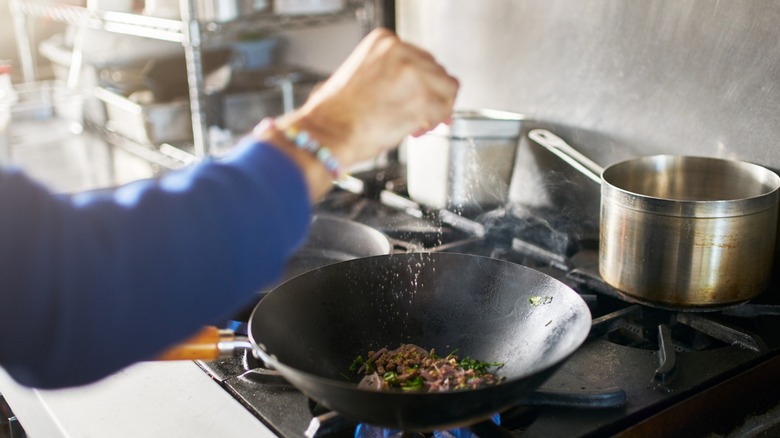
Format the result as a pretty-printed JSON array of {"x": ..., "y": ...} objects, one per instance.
[{"x": 618, "y": 78}]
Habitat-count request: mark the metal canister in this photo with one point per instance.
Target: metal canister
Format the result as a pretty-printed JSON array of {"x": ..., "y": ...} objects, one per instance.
[{"x": 467, "y": 164}]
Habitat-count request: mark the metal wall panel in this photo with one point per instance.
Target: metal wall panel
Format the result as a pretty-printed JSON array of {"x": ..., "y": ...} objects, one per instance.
[{"x": 618, "y": 78}]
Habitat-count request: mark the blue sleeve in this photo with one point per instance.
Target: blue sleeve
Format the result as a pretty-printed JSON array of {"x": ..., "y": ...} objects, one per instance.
[{"x": 94, "y": 282}]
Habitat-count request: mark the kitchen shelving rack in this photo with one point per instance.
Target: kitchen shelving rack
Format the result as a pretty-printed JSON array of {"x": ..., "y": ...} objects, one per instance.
[{"x": 191, "y": 33}]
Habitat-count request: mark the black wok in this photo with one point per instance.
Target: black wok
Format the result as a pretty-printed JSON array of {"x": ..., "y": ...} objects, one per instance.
[{"x": 313, "y": 326}]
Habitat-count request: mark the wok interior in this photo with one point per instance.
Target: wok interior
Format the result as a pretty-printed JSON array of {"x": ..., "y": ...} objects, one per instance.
[
  {"x": 692, "y": 178},
  {"x": 321, "y": 321}
]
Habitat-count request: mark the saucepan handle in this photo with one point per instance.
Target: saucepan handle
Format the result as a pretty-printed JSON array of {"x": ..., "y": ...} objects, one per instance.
[{"x": 559, "y": 147}]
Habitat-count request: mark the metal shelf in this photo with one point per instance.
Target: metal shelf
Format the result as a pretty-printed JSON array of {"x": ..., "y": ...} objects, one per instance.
[
  {"x": 191, "y": 33},
  {"x": 273, "y": 22},
  {"x": 173, "y": 30},
  {"x": 166, "y": 156}
]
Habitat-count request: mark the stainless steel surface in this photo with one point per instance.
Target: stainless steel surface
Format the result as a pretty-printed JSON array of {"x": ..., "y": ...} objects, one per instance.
[
  {"x": 193, "y": 54},
  {"x": 153, "y": 399},
  {"x": 192, "y": 32},
  {"x": 699, "y": 231},
  {"x": 220, "y": 11},
  {"x": 263, "y": 95},
  {"x": 683, "y": 230},
  {"x": 557, "y": 146},
  {"x": 49, "y": 150},
  {"x": 151, "y": 124},
  {"x": 25, "y": 48},
  {"x": 483, "y": 123},
  {"x": 693, "y": 77},
  {"x": 467, "y": 164},
  {"x": 229, "y": 343}
]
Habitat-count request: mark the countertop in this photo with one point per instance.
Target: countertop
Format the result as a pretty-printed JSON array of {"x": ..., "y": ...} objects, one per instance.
[{"x": 148, "y": 399}]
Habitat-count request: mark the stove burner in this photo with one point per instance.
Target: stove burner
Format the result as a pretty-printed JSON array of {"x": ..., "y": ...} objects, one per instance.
[
  {"x": 330, "y": 424},
  {"x": 364, "y": 430},
  {"x": 543, "y": 231},
  {"x": 637, "y": 327},
  {"x": 669, "y": 333}
]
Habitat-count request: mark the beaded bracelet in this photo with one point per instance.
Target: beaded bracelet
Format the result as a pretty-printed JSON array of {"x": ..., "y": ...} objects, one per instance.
[{"x": 303, "y": 140}]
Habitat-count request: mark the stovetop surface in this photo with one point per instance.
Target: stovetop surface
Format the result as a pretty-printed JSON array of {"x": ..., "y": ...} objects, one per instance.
[{"x": 638, "y": 363}]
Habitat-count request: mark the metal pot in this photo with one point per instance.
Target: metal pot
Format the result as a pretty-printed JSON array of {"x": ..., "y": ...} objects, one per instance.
[
  {"x": 467, "y": 164},
  {"x": 682, "y": 231}
]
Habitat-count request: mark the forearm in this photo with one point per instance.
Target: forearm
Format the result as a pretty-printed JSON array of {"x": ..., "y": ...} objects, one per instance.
[{"x": 102, "y": 280}]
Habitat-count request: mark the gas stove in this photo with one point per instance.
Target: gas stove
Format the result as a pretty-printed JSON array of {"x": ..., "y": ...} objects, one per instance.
[{"x": 644, "y": 370}]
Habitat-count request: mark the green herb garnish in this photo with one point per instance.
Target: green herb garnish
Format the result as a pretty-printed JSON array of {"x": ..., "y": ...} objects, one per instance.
[
  {"x": 391, "y": 377},
  {"x": 413, "y": 384},
  {"x": 357, "y": 363},
  {"x": 480, "y": 367}
]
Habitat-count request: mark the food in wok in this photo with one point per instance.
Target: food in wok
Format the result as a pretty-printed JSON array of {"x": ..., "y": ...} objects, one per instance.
[{"x": 412, "y": 368}]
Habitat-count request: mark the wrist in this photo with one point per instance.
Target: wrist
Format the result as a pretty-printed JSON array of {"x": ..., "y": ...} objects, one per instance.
[
  {"x": 293, "y": 135},
  {"x": 324, "y": 132},
  {"x": 317, "y": 163}
]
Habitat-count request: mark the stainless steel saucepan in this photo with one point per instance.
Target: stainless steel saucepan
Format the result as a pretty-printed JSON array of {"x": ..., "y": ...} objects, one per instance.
[{"x": 682, "y": 231}]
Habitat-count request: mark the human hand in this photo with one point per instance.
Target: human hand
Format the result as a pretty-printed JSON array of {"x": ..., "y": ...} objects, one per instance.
[{"x": 385, "y": 90}]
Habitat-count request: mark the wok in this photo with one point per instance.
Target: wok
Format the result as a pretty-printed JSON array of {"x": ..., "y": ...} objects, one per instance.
[
  {"x": 682, "y": 232},
  {"x": 332, "y": 239},
  {"x": 312, "y": 327}
]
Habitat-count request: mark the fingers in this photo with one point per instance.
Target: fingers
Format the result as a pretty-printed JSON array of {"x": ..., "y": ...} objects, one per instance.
[
  {"x": 385, "y": 90},
  {"x": 440, "y": 86},
  {"x": 441, "y": 90},
  {"x": 428, "y": 85}
]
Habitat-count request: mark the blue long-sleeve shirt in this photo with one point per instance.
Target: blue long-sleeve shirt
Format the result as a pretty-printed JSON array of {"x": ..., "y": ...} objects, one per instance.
[{"x": 93, "y": 282}]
